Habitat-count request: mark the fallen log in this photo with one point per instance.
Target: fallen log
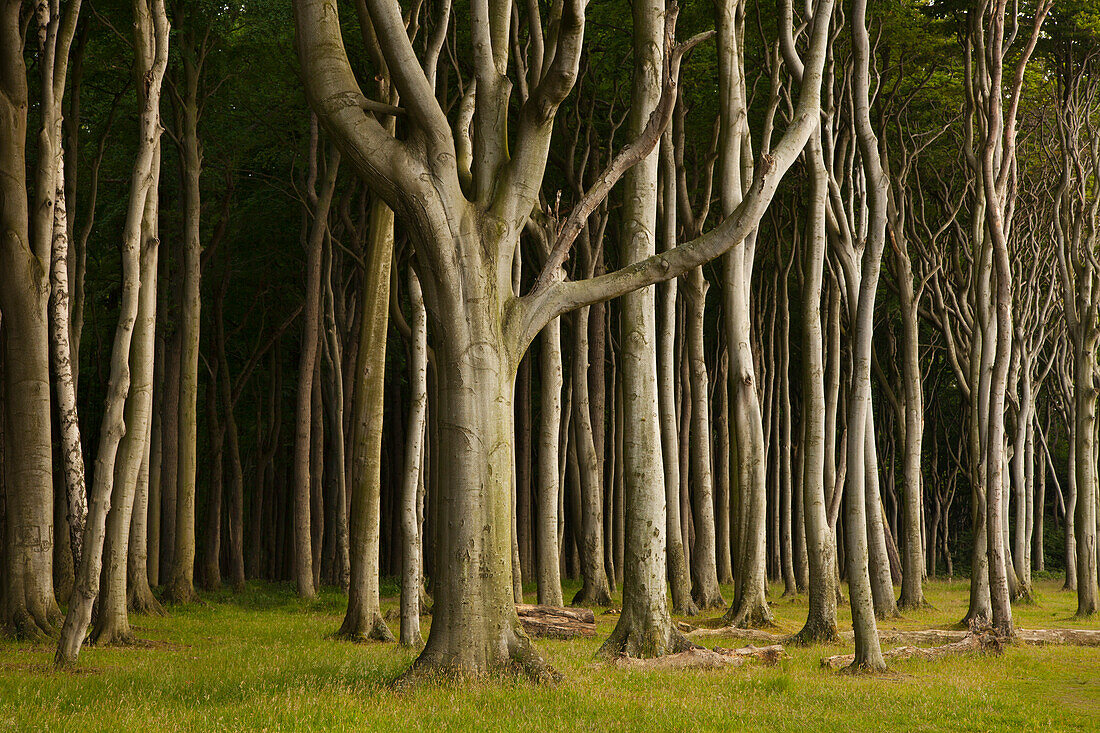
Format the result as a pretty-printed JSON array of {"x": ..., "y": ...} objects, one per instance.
[
  {"x": 733, "y": 632},
  {"x": 984, "y": 643},
  {"x": 701, "y": 658},
  {"x": 1072, "y": 637},
  {"x": 555, "y": 622}
]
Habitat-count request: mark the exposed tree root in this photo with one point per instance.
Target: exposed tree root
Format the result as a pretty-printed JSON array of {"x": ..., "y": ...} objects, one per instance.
[
  {"x": 983, "y": 643},
  {"x": 373, "y": 629},
  {"x": 588, "y": 596},
  {"x": 555, "y": 622},
  {"x": 686, "y": 608},
  {"x": 644, "y": 640},
  {"x": 142, "y": 600},
  {"x": 516, "y": 656},
  {"x": 815, "y": 631},
  {"x": 750, "y": 616},
  {"x": 700, "y": 658},
  {"x": 704, "y": 601}
]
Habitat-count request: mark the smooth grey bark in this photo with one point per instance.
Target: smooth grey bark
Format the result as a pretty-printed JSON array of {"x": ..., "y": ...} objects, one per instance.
[
  {"x": 411, "y": 547},
  {"x": 679, "y": 579},
  {"x": 112, "y": 624},
  {"x": 822, "y": 589},
  {"x": 704, "y": 569},
  {"x": 478, "y": 327},
  {"x": 868, "y": 653},
  {"x": 363, "y": 619},
  {"x": 28, "y": 607},
  {"x": 549, "y": 476},
  {"x": 138, "y": 240},
  {"x": 749, "y": 607},
  {"x": 644, "y": 628}
]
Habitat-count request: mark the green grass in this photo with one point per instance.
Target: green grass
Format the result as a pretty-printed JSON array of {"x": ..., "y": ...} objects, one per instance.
[{"x": 265, "y": 660}]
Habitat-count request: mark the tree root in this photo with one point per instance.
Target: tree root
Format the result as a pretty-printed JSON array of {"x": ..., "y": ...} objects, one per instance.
[
  {"x": 143, "y": 601},
  {"x": 520, "y": 658},
  {"x": 700, "y": 658},
  {"x": 750, "y": 616},
  {"x": 375, "y": 629}
]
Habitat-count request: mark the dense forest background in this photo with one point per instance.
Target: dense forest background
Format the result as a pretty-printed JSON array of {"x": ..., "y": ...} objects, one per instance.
[{"x": 306, "y": 422}]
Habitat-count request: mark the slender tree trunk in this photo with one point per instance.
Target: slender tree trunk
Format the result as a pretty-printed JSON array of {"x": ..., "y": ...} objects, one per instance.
[
  {"x": 645, "y": 628},
  {"x": 139, "y": 238},
  {"x": 363, "y": 619},
  {"x": 820, "y": 549},
  {"x": 411, "y": 572},
  {"x": 180, "y": 581},
  {"x": 549, "y": 477},
  {"x": 112, "y": 624},
  {"x": 679, "y": 579},
  {"x": 704, "y": 571},
  {"x": 596, "y": 590}
]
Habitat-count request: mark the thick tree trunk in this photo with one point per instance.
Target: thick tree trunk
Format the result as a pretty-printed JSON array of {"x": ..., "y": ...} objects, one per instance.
[
  {"x": 475, "y": 629},
  {"x": 27, "y": 604}
]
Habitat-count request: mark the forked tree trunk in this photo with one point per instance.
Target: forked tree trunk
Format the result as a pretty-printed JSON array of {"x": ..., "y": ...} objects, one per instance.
[
  {"x": 750, "y": 607},
  {"x": 868, "y": 654}
]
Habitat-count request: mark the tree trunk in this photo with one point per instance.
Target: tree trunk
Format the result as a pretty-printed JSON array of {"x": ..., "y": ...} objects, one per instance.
[
  {"x": 180, "y": 582},
  {"x": 411, "y": 572},
  {"x": 596, "y": 590},
  {"x": 363, "y": 619},
  {"x": 549, "y": 479},
  {"x": 645, "y": 628},
  {"x": 704, "y": 570},
  {"x": 820, "y": 551},
  {"x": 138, "y": 242},
  {"x": 679, "y": 579},
  {"x": 112, "y": 624}
]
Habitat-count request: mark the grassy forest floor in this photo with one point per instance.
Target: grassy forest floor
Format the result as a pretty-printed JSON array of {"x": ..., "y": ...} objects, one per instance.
[{"x": 265, "y": 660}]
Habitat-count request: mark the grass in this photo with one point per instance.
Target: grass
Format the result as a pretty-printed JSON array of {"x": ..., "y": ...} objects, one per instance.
[{"x": 265, "y": 660}]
